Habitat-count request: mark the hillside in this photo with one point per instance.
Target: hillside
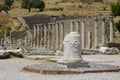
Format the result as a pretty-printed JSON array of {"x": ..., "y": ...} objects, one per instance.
[{"x": 66, "y": 7}]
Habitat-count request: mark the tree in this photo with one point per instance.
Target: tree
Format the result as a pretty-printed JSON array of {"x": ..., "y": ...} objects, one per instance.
[
  {"x": 6, "y": 29},
  {"x": 118, "y": 25},
  {"x": 28, "y": 4},
  {"x": 4, "y": 8},
  {"x": 9, "y": 2},
  {"x": 115, "y": 9}
]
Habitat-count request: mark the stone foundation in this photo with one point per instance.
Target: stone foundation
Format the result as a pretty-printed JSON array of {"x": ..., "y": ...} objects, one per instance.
[{"x": 51, "y": 68}]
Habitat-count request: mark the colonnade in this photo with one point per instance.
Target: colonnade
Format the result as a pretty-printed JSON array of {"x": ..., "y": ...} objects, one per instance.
[{"x": 51, "y": 35}]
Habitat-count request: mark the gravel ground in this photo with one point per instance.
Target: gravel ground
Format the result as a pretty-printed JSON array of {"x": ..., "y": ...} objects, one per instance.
[{"x": 11, "y": 69}]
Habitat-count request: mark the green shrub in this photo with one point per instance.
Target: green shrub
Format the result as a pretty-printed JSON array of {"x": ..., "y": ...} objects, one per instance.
[
  {"x": 9, "y": 2},
  {"x": 118, "y": 25},
  {"x": 4, "y": 8},
  {"x": 115, "y": 9},
  {"x": 6, "y": 29}
]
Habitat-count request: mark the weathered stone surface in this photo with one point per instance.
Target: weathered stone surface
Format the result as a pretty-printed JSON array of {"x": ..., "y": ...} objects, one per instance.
[
  {"x": 72, "y": 48},
  {"x": 53, "y": 68},
  {"x": 108, "y": 50},
  {"x": 5, "y": 55}
]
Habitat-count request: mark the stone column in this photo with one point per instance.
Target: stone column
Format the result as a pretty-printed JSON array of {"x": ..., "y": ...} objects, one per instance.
[
  {"x": 57, "y": 36},
  {"x": 49, "y": 35},
  {"x": 35, "y": 30},
  {"x": 10, "y": 39},
  {"x": 103, "y": 31},
  {"x": 111, "y": 29},
  {"x": 96, "y": 32},
  {"x": 78, "y": 26},
  {"x": 5, "y": 42},
  {"x": 1, "y": 41},
  {"x": 83, "y": 34},
  {"x": 72, "y": 26},
  {"x": 31, "y": 42},
  {"x": 89, "y": 39},
  {"x": 43, "y": 44},
  {"x": 62, "y": 34},
  {"x": 54, "y": 36},
  {"x": 41, "y": 33},
  {"x": 45, "y": 36},
  {"x": 38, "y": 29},
  {"x": 20, "y": 42},
  {"x": 25, "y": 40}
]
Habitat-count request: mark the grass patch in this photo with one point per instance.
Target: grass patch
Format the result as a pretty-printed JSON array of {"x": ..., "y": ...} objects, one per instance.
[{"x": 55, "y": 9}]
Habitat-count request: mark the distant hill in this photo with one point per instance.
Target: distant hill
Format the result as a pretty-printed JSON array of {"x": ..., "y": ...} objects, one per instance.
[{"x": 67, "y": 7}]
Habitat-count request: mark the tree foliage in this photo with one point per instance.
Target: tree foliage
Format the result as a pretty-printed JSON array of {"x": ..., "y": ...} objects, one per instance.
[
  {"x": 28, "y": 4},
  {"x": 4, "y": 8},
  {"x": 115, "y": 9},
  {"x": 6, "y": 29},
  {"x": 9, "y": 2},
  {"x": 118, "y": 25}
]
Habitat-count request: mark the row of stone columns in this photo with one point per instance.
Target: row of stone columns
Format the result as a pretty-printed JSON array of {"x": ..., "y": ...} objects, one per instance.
[
  {"x": 90, "y": 33},
  {"x": 51, "y": 35}
]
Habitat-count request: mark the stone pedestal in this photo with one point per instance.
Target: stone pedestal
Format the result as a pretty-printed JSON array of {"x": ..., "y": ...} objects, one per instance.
[
  {"x": 72, "y": 50},
  {"x": 74, "y": 64}
]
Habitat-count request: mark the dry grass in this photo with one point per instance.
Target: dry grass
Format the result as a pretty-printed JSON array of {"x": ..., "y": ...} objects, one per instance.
[{"x": 70, "y": 7}]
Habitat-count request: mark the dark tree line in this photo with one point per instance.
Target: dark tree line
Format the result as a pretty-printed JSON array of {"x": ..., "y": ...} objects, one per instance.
[{"x": 27, "y": 4}]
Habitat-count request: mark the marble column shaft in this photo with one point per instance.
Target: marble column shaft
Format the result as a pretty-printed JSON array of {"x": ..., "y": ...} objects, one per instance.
[
  {"x": 96, "y": 32},
  {"x": 34, "y": 44},
  {"x": 72, "y": 26},
  {"x": 57, "y": 36},
  {"x": 45, "y": 36},
  {"x": 103, "y": 31},
  {"x": 41, "y": 37},
  {"x": 25, "y": 41},
  {"x": 38, "y": 33},
  {"x": 49, "y": 35},
  {"x": 83, "y": 34},
  {"x": 62, "y": 34},
  {"x": 111, "y": 31},
  {"x": 78, "y": 26},
  {"x": 54, "y": 36},
  {"x": 89, "y": 39}
]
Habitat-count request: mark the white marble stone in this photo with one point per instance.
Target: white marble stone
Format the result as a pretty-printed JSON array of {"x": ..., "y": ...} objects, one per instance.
[{"x": 72, "y": 48}]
